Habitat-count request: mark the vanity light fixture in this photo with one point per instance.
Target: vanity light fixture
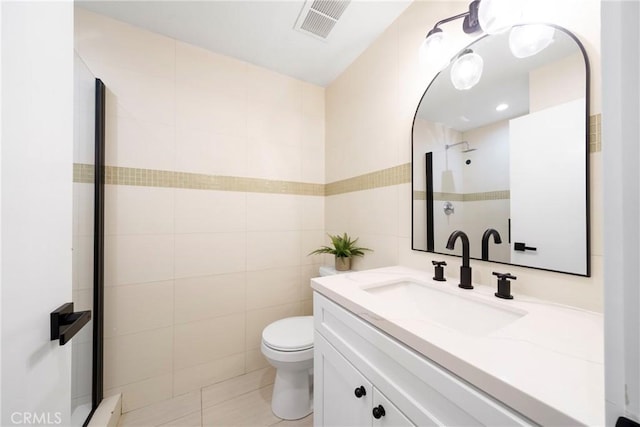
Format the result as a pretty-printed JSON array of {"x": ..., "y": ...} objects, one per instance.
[
  {"x": 496, "y": 16},
  {"x": 466, "y": 70},
  {"x": 433, "y": 47},
  {"x": 490, "y": 16},
  {"x": 528, "y": 40},
  {"x": 502, "y": 107}
]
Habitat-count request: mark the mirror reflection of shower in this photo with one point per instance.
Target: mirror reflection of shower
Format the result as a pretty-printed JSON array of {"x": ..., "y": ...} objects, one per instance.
[{"x": 467, "y": 149}]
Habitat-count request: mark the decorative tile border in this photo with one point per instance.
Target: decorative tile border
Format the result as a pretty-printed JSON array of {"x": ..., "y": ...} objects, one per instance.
[
  {"x": 468, "y": 197},
  {"x": 383, "y": 178},
  {"x": 595, "y": 133},
  {"x": 115, "y": 175},
  {"x": 83, "y": 173}
]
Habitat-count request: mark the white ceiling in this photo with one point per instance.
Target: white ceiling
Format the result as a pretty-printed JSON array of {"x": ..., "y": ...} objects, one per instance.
[{"x": 261, "y": 31}]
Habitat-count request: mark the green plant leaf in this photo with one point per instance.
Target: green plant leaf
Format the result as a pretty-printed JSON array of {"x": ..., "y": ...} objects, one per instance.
[{"x": 343, "y": 247}]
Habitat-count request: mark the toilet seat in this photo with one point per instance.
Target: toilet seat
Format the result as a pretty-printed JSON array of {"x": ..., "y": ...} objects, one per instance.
[{"x": 290, "y": 334}]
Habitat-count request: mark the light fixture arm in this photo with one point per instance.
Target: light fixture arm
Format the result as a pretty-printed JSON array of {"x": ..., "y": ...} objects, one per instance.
[
  {"x": 470, "y": 24},
  {"x": 451, "y": 18}
]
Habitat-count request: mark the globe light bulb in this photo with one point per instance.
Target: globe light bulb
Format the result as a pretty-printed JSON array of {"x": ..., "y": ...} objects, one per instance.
[
  {"x": 434, "y": 50},
  {"x": 466, "y": 70},
  {"x": 496, "y": 16},
  {"x": 528, "y": 40}
]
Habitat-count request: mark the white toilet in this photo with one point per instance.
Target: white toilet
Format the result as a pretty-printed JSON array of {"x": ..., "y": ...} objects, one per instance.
[{"x": 288, "y": 346}]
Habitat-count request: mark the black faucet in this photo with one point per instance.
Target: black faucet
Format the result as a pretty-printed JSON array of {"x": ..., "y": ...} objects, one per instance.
[
  {"x": 485, "y": 241},
  {"x": 465, "y": 270}
]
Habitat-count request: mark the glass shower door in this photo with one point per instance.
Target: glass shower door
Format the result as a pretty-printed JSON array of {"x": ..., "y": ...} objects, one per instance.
[{"x": 86, "y": 363}]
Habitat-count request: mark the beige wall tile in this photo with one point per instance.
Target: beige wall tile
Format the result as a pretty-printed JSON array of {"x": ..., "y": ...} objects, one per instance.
[
  {"x": 83, "y": 198},
  {"x": 258, "y": 319},
  {"x": 255, "y": 360},
  {"x": 211, "y": 152},
  {"x": 138, "y": 95},
  {"x": 313, "y": 104},
  {"x": 268, "y": 160},
  {"x": 82, "y": 299},
  {"x": 266, "y": 288},
  {"x": 280, "y": 126},
  {"x": 138, "y": 210},
  {"x": 238, "y": 386},
  {"x": 308, "y": 273},
  {"x": 313, "y": 165},
  {"x": 273, "y": 212},
  {"x": 201, "y": 211},
  {"x": 136, "y": 308},
  {"x": 208, "y": 340},
  {"x": 404, "y": 210},
  {"x": 204, "y": 254},
  {"x": 597, "y": 204},
  {"x": 375, "y": 211},
  {"x": 307, "y": 307},
  {"x": 313, "y": 133},
  {"x": 200, "y": 298},
  {"x": 83, "y": 262},
  {"x": 135, "y": 357},
  {"x": 214, "y": 113},
  {"x": 136, "y": 142},
  {"x": 101, "y": 40},
  {"x": 181, "y": 117},
  {"x": 143, "y": 393},
  {"x": 195, "y": 377},
  {"x": 210, "y": 72},
  {"x": 133, "y": 259},
  {"x": 271, "y": 88},
  {"x": 312, "y": 240},
  {"x": 311, "y": 212},
  {"x": 272, "y": 249}
]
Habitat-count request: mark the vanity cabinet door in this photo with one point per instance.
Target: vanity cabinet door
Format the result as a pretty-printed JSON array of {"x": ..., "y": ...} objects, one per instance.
[
  {"x": 392, "y": 416},
  {"x": 335, "y": 380}
]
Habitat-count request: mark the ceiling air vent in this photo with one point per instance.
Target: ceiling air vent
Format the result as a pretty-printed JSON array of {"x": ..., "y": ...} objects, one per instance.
[{"x": 318, "y": 17}]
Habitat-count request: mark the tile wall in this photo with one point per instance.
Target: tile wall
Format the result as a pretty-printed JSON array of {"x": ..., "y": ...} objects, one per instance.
[
  {"x": 218, "y": 190},
  {"x": 370, "y": 109},
  {"x": 215, "y": 196}
]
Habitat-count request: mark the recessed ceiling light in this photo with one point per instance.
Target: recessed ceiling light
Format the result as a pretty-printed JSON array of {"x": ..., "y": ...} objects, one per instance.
[{"x": 502, "y": 107}]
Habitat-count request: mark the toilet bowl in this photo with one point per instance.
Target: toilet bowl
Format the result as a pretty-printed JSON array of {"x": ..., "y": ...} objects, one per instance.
[{"x": 288, "y": 346}]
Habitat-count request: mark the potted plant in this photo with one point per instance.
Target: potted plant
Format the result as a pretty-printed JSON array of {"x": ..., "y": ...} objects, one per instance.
[{"x": 344, "y": 248}]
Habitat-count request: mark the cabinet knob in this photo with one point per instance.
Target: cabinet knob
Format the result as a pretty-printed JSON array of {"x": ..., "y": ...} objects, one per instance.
[
  {"x": 378, "y": 412},
  {"x": 360, "y": 391}
]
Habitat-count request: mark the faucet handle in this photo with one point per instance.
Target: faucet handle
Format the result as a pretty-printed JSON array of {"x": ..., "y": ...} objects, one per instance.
[
  {"x": 502, "y": 276},
  {"x": 504, "y": 285},
  {"x": 439, "y": 271}
]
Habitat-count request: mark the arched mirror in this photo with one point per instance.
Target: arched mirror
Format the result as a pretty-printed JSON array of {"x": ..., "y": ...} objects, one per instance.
[{"x": 510, "y": 153}]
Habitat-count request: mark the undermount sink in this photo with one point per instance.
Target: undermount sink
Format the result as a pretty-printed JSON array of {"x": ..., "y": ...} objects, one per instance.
[{"x": 425, "y": 302}]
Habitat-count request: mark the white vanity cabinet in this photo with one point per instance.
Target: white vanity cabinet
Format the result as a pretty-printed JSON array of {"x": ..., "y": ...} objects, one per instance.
[
  {"x": 348, "y": 398},
  {"x": 351, "y": 353}
]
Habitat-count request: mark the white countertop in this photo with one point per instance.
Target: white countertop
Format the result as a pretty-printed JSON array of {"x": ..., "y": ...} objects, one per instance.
[{"x": 547, "y": 365}]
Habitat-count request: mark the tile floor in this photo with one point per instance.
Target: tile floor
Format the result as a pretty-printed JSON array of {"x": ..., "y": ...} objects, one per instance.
[{"x": 244, "y": 401}]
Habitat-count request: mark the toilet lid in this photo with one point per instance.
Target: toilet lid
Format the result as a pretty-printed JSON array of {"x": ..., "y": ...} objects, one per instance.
[{"x": 290, "y": 334}]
